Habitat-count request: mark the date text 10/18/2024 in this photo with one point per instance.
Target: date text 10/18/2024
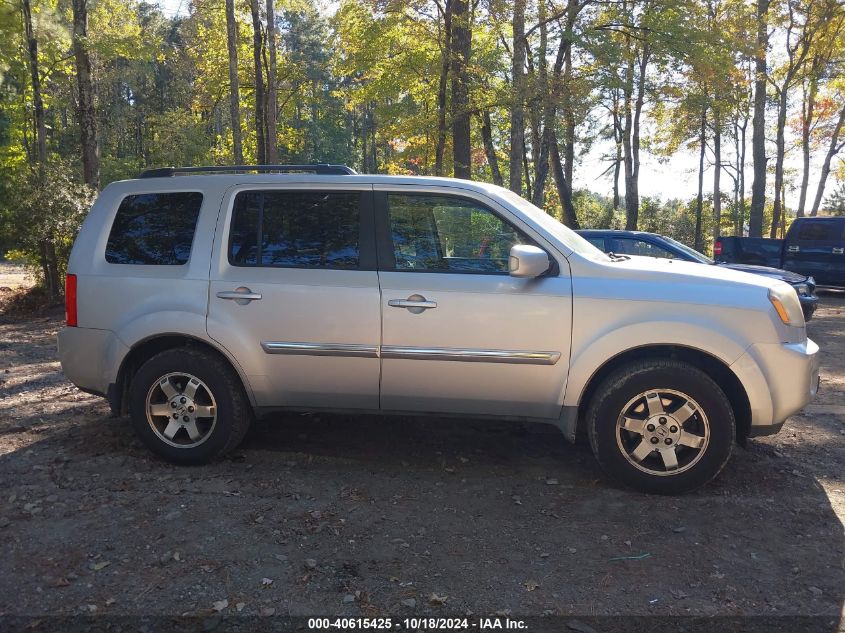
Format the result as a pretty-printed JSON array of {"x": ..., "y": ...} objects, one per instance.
[{"x": 415, "y": 624}]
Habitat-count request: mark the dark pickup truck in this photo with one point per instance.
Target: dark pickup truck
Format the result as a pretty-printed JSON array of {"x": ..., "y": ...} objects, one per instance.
[{"x": 813, "y": 246}]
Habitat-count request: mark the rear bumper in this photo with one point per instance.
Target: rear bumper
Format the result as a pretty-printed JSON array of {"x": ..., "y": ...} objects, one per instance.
[
  {"x": 780, "y": 378},
  {"x": 90, "y": 358}
]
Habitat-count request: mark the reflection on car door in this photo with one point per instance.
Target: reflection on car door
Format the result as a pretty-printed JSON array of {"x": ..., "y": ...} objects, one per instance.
[
  {"x": 459, "y": 334},
  {"x": 294, "y": 292}
]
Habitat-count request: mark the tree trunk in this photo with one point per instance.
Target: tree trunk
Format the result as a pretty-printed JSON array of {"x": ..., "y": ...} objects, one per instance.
[
  {"x": 808, "y": 113},
  {"x": 462, "y": 49},
  {"x": 631, "y": 136},
  {"x": 617, "y": 140},
  {"x": 260, "y": 103},
  {"x": 564, "y": 188},
  {"x": 37, "y": 99},
  {"x": 518, "y": 96},
  {"x": 85, "y": 109},
  {"x": 489, "y": 147},
  {"x": 780, "y": 145},
  {"x": 758, "y": 124},
  {"x": 742, "y": 205},
  {"x": 833, "y": 149},
  {"x": 540, "y": 113},
  {"x": 717, "y": 175},
  {"x": 699, "y": 200},
  {"x": 445, "y": 63},
  {"x": 234, "y": 85},
  {"x": 272, "y": 142}
]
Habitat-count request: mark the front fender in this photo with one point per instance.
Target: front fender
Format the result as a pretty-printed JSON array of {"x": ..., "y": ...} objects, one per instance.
[{"x": 592, "y": 354}]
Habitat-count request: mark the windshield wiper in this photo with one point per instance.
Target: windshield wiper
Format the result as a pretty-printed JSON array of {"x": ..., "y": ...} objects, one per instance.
[{"x": 617, "y": 258}]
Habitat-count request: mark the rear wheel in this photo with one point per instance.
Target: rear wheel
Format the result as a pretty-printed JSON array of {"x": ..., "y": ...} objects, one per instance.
[
  {"x": 188, "y": 406},
  {"x": 661, "y": 426}
]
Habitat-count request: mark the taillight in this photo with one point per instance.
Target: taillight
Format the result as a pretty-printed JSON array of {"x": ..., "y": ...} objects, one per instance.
[
  {"x": 717, "y": 248},
  {"x": 70, "y": 300}
]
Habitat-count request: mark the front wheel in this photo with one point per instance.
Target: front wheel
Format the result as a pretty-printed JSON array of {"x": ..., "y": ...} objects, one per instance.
[
  {"x": 188, "y": 406},
  {"x": 661, "y": 426}
]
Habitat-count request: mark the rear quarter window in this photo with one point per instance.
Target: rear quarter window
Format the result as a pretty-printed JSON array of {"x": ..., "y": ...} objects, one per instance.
[{"x": 154, "y": 229}]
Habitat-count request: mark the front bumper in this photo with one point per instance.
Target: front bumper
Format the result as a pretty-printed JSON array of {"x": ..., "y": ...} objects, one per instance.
[
  {"x": 809, "y": 303},
  {"x": 779, "y": 378}
]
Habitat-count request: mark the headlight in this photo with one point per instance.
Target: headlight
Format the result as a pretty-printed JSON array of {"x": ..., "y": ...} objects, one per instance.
[
  {"x": 785, "y": 302},
  {"x": 802, "y": 289}
]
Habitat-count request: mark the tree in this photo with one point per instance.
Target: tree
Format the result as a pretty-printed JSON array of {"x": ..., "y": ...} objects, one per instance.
[
  {"x": 272, "y": 151},
  {"x": 260, "y": 97},
  {"x": 758, "y": 123},
  {"x": 85, "y": 108},
  {"x": 517, "y": 144},
  {"x": 836, "y": 144},
  {"x": 461, "y": 111},
  {"x": 234, "y": 84}
]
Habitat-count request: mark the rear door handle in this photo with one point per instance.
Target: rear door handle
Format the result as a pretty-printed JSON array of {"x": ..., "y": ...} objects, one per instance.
[
  {"x": 414, "y": 304},
  {"x": 241, "y": 296},
  {"x": 793, "y": 249}
]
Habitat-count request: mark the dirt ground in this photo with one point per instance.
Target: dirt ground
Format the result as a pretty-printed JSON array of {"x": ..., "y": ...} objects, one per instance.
[{"x": 367, "y": 516}]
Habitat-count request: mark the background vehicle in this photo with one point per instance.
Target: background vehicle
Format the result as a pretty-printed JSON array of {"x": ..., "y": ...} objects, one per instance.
[
  {"x": 196, "y": 301},
  {"x": 813, "y": 246},
  {"x": 654, "y": 245}
]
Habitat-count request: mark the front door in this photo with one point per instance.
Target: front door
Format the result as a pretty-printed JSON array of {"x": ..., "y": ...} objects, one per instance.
[
  {"x": 294, "y": 294},
  {"x": 460, "y": 335}
]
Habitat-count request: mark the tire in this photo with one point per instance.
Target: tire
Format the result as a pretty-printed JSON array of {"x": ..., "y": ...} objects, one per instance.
[
  {"x": 197, "y": 407},
  {"x": 634, "y": 442}
]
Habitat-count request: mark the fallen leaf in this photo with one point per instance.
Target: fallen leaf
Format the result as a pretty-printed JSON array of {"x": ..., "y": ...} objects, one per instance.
[
  {"x": 531, "y": 585},
  {"x": 437, "y": 600},
  {"x": 220, "y": 605}
]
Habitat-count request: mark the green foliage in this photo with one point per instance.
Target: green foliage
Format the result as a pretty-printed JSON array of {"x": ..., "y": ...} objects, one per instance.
[
  {"x": 835, "y": 202},
  {"x": 358, "y": 84},
  {"x": 41, "y": 216}
]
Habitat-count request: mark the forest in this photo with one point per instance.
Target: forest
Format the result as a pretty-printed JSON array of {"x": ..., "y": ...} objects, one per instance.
[{"x": 512, "y": 92}]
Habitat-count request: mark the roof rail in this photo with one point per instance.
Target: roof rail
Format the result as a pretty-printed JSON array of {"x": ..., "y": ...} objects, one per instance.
[{"x": 323, "y": 169}]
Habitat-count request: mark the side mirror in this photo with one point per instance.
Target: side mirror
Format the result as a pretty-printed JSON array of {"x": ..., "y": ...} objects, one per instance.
[{"x": 527, "y": 261}]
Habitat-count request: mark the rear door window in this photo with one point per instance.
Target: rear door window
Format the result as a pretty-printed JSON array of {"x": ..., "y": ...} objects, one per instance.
[
  {"x": 154, "y": 229},
  {"x": 629, "y": 246},
  {"x": 819, "y": 231},
  {"x": 296, "y": 229}
]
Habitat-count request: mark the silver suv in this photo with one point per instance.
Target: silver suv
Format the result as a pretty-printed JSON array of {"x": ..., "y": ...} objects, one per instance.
[{"x": 197, "y": 300}]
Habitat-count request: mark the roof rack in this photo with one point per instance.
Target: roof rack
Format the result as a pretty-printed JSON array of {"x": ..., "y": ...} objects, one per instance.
[{"x": 323, "y": 169}]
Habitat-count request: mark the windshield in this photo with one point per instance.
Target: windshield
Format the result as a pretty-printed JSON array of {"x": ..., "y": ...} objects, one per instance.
[
  {"x": 567, "y": 236},
  {"x": 689, "y": 251}
]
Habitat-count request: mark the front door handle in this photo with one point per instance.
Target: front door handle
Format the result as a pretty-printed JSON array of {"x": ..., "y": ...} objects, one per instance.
[
  {"x": 414, "y": 304},
  {"x": 241, "y": 295},
  {"x": 838, "y": 251},
  {"x": 793, "y": 249}
]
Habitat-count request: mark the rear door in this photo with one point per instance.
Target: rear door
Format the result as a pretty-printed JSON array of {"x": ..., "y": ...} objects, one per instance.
[
  {"x": 816, "y": 246},
  {"x": 294, "y": 293},
  {"x": 459, "y": 334}
]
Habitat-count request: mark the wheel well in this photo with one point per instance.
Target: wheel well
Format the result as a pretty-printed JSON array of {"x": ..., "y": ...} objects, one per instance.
[
  {"x": 711, "y": 365},
  {"x": 145, "y": 350}
]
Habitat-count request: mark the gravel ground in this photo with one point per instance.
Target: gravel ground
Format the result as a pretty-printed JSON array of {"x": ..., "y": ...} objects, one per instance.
[{"x": 367, "y": 516}]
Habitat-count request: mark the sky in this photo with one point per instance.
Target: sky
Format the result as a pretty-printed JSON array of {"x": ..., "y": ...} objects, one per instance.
[{"x": 676, "y": 177}]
